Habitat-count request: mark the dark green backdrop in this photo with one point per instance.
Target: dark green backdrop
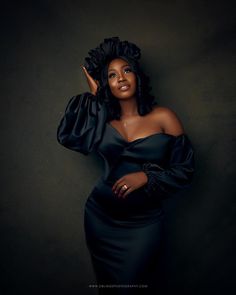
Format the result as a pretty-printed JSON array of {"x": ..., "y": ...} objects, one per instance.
[{"x": 188, "y": 50}]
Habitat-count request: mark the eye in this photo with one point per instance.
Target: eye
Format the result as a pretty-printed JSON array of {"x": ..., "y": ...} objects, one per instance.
[
  {"x": 112, "y": 75},
  {"x": 127, "y": 70}
]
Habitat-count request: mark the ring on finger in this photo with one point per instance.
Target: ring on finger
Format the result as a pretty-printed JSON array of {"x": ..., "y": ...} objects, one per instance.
[{"x": 124, "y": 187}]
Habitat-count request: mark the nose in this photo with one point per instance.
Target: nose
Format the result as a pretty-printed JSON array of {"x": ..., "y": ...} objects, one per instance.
[{"x": 121, "y": 77}]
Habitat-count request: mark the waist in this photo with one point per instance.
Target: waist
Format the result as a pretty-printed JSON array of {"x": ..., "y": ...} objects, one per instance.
[
  {"x": 121, "y": 169},
  {"x": 136, "y": 201}
]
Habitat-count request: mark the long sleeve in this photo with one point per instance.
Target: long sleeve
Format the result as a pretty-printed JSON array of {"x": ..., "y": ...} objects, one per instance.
[
  {"x": 82, "y": 125},
  {"x": 179, "y": 173}
]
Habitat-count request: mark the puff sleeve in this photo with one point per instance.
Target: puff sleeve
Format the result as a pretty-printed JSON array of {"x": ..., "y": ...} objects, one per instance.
[
  {"x": 81, "y": 127},
  {"x": 179, "y": 172}
]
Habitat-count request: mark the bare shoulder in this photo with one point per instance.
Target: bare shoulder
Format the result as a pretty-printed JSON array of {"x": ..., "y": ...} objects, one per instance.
[{"x": 168, "y": 120}]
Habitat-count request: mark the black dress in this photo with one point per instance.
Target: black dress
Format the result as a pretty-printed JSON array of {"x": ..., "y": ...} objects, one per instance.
[{"x": 124, "y": 235}]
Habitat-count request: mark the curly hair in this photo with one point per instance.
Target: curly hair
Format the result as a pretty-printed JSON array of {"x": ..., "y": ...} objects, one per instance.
[{"x": 97, "y": 66}]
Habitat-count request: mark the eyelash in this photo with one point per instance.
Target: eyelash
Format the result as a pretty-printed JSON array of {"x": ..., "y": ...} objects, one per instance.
[{"x": 127, "y": 69}]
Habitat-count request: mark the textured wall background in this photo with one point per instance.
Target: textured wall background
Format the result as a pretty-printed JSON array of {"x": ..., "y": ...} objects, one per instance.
[{"x": 188, "y": 49}]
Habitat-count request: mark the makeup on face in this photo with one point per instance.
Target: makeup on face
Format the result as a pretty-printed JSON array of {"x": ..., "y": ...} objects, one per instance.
[{"x": 121, "y": 79}]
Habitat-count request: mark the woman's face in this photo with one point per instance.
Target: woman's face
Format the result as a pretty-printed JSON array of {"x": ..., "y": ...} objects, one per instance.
[{"x": 121, "y": 79}]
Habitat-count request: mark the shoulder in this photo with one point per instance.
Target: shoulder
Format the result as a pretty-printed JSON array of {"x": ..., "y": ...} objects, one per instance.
[
  {"x": 163, "y": 112},
  {"x": 168, "y": 120}
]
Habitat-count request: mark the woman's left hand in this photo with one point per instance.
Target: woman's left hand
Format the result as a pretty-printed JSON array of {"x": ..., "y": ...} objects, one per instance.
[{"x": 128, "y": 183}]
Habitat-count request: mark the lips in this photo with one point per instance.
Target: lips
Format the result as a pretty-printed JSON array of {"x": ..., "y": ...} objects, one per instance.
[{"x": 124, "y": 87}]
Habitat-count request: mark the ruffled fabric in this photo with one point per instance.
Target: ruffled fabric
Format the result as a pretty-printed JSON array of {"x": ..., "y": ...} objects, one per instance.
[
  {"x": 109, "y": 49},
  {"x": 179, "y": 173},
  {"x": 82, "y": 125}
]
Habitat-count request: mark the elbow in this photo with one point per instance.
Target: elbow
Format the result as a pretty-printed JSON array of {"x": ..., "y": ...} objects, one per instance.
[
  {"x": 63, "y": 139},
  {"x": 59, "y": 137}
]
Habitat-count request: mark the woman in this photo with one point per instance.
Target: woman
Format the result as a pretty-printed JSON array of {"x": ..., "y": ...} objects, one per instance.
[{"x": 147, "y": 155}]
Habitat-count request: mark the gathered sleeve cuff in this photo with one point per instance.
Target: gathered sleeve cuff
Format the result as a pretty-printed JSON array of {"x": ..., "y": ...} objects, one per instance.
[
  {"x": 81, "y": 127},
  {"x": 179, "y": 173}
]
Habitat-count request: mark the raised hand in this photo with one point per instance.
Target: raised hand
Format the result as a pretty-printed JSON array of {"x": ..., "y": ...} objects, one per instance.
[
  {"x": 132, "y": 181},
  {"x": 93, "y": 84}
]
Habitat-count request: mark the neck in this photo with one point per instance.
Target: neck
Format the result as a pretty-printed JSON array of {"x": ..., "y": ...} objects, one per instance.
[{"x": 128, "y": 107}]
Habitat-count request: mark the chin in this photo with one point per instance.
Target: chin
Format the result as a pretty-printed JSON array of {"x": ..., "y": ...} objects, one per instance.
[{"x": 125, "y": 96}]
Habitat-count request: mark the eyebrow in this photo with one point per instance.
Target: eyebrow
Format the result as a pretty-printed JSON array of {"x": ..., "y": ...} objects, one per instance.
[{"x": 122, "y": 67}]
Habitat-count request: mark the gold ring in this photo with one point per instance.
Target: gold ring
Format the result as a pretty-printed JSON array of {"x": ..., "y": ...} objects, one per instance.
[{"x": 124, "y": 187}]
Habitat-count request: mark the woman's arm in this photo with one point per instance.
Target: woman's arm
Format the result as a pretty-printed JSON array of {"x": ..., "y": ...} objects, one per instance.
[
  {"x": 81, "y": 127},
  {"x": 179, "y": 173}
]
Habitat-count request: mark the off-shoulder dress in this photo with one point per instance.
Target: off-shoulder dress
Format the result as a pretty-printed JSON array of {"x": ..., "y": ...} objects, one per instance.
[{"x": 124, "y": 235}]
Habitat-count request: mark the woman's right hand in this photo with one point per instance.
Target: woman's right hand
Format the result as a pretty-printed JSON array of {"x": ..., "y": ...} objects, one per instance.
[{"x": 93, "y": 84}]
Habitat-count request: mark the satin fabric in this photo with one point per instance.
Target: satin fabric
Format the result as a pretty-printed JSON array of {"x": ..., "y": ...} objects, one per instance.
[{"x": 124, "y": 235}]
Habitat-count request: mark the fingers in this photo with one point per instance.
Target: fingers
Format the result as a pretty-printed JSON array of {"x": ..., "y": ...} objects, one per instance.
[
  {"x": 129, "y": 190},
  {"x": 123, "y": 190},
  {"x": 128, "y": 183},
  {"x": 117, "y": 184},
  {"x": 88, "y": 75},
  {"x": 93, "y": 84},
  {"x": 85, "y": 70},
  {"x": 119, "y": 188}
]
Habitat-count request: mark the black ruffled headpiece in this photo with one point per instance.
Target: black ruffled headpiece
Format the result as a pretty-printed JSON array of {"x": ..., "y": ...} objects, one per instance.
[{"x": 109, "y": 49}]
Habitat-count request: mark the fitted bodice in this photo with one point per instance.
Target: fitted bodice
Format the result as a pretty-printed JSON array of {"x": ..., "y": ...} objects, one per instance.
[{"x": 121, "y": 155}]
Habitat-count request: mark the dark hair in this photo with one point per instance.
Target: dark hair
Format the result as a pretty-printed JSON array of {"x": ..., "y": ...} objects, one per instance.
[{"x": 97, "y": 66}]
